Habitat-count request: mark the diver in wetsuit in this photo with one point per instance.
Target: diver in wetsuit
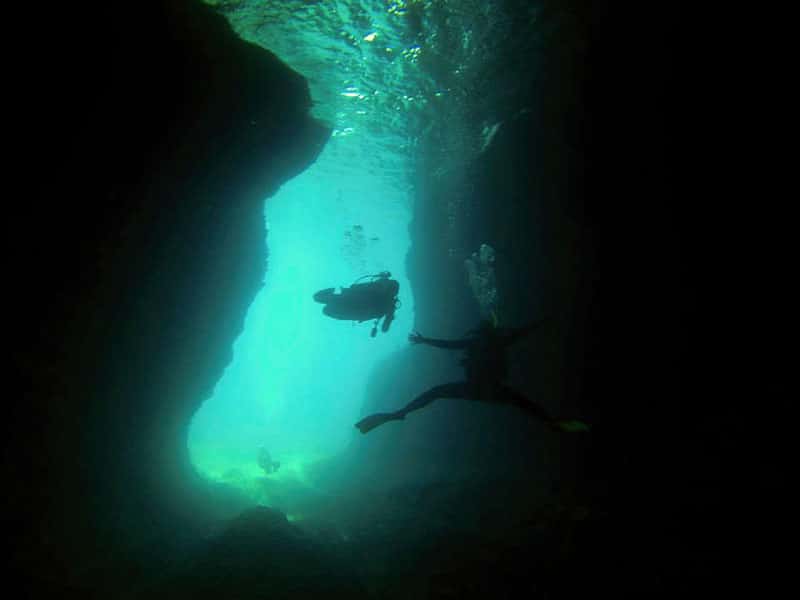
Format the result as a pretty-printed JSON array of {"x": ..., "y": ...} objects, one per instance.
[
  {"x": 486, "y": 367},
  {"x": 375, "y": 299}
]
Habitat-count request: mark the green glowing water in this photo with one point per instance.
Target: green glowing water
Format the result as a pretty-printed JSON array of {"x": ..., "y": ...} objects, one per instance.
[
  {"x": 386, "y": 75},
  {"x": 297, "y": 380}
]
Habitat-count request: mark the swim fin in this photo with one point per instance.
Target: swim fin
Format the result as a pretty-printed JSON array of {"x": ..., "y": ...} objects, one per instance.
[
  {"x": 371, "y": 422},
  {"x": 572, "y": 426}
]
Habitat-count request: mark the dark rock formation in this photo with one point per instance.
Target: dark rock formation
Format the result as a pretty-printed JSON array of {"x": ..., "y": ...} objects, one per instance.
[
  {"x": 261, "y": 555},
  {"x": 575, "y": 193},
  {"x": 145, "y": 140}
]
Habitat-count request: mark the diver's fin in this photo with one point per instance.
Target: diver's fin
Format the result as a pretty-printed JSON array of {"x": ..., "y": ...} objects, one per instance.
[
  {"x": 572, "y": 426},
  {"x": 371, "y": 422}
]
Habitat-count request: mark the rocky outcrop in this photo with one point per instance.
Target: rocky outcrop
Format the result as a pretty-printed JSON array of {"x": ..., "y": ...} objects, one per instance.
[
  {"x": 146, "y": 143},
  {"x": 260, "y": 554}
]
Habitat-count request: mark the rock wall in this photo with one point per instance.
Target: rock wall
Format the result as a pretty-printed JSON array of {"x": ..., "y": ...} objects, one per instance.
[
  {"x": 145, "y": 139},
  {"x": 575, "y": 194},
  {"x": 521, "y": 194}
]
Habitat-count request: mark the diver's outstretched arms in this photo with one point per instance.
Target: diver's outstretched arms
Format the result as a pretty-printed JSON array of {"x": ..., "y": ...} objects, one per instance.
[{"x": 416, "y": 338}]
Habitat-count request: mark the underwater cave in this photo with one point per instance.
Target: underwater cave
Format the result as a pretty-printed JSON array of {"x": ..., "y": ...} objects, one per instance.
[{"x": 189, "y": 418}]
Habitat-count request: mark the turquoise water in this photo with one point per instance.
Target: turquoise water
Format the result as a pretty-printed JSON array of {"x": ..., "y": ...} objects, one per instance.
[
  {"x": 386, "y": 76},
  {"x": 297, "y": 379}
]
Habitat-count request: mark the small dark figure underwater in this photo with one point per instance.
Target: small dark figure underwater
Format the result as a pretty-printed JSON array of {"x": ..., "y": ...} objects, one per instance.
[
  {"x": 486, "y": 368},
  {"x": 361, "y": 302},
  {"x": 266, "y": 463}
]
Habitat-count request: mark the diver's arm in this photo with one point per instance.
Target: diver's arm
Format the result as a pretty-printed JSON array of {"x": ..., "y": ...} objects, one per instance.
[{"x": 416, "y": 338}]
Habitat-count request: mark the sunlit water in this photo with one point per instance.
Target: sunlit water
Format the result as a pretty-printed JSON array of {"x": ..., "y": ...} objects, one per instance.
[
  {"x": 384, "y": 75},
  {"x": 297, "y": 379}
]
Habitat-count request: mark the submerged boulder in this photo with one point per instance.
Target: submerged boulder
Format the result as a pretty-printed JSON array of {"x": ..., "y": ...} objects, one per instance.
[{"x": 260, "y": 554}]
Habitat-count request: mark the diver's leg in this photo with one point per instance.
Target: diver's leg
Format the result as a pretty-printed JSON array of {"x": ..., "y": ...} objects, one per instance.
[
  {"x": 512, "y": 396},
  {"x": 387, "y": 321},
  {"x": 447, "y": 390}
]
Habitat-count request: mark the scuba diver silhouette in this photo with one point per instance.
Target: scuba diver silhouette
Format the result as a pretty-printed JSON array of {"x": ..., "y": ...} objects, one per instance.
[
  {"x": 375, "y": 299},
  {"x": 486, "y": 368},
  {"x": 266, "y": 463}
]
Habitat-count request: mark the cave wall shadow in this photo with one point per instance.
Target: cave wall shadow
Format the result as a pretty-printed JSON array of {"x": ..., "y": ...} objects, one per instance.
[{"x": 147, "y": 138}]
